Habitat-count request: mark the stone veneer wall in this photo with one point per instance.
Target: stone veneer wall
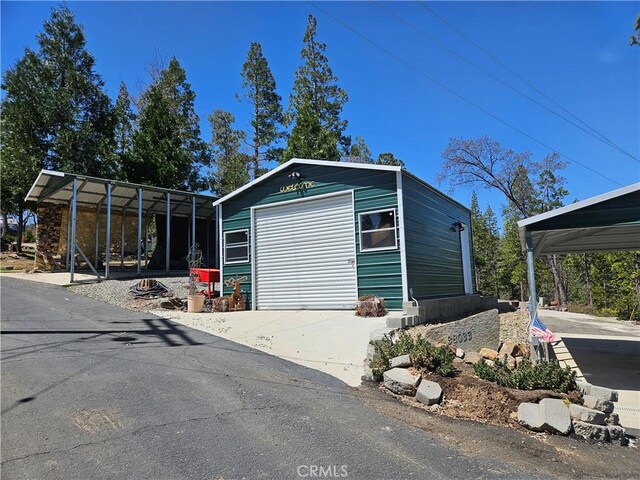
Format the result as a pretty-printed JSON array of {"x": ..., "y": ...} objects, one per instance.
[{"x": 48, "y": 235}]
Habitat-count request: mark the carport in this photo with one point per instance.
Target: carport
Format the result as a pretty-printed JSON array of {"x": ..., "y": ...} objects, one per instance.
[
  {"x": 184, "y": 216},
  {"x": 607, "y": 222}
]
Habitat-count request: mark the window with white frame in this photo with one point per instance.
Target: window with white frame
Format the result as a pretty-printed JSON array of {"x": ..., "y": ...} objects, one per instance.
[
  {"x": 378, "y": 230},
  {"x": 236, "y": 246}
]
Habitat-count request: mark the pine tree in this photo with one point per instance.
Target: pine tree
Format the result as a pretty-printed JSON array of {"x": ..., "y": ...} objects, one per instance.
[
  {"x": 315, "y": 105},
  {"x": 125, "y": 120},
  {"x": 167, "y": 148},
  {"x": 388, "y": 158},
  {"x": 232, "y": 165},
  {"x": 55, "y": 113},
  {"x": 266, "y": 110},
  {"x": 359, "y": 152}
]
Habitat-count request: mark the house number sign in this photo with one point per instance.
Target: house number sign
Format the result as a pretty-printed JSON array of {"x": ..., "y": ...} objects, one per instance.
[{"x": 297, "y": 186}]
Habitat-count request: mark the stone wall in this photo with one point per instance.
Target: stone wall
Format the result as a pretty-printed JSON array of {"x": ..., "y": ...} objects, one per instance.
[
  {"x": 48, "y": 235},
  {"x": 440, "y": 310},
  {"x": 471, "y": 333}
]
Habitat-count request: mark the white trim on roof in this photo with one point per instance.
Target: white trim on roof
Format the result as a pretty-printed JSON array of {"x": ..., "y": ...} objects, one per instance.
[
  {"x": 52, "y": 173},
  {"x": 306, "y": 161},
  {"x": 578, "y": 205}
]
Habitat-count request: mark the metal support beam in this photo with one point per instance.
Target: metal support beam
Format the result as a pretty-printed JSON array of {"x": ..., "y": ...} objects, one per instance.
[
  {"x": 193, "y": 222},
  {"x": 68, "y": 249},
  {"x": 168, "y": 234},
  {"x": 533, "y": 301},
  {"x": 95, "y": 272},
  {"x": 107, "y": 250},
  {"x": 124, "y": 214},
  {"x": 95, "y": 258},
  {"x": 74, "y": 198},
  {"x": 139, "y": 229}
]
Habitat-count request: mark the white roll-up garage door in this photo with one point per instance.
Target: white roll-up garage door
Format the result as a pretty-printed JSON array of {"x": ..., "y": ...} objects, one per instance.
[{"x": 305, "y": 255}]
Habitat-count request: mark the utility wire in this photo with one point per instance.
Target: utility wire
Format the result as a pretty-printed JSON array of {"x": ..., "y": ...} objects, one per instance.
[
  {"x": 497, "y": 79},
  {"x": 521, "y": 78},
  {"x": 454, "y": 93}
]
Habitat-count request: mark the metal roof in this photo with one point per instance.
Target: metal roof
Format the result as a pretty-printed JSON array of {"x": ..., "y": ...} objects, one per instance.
[
  {"x": 57, "y": 187},
  {"x": 606, "y": 222}
]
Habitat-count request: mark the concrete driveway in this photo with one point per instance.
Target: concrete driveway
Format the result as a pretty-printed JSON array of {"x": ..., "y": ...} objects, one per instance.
[
  {"x": 604, "y": 352},
  {"x": 334, "y": 342}
]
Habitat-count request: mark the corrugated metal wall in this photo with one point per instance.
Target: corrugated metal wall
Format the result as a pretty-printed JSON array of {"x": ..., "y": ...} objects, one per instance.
[
  {"x": 434, "y": 258},
  {"x": 379, "y": 273}
]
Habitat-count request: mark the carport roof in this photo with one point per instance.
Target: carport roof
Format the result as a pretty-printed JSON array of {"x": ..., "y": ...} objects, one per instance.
[
  {"x": 57, "y": 187},
  {"x": 607, "y": 222}
]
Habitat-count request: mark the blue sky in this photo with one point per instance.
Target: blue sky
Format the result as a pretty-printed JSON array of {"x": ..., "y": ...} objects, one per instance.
[{"x": 575, "y": 52}]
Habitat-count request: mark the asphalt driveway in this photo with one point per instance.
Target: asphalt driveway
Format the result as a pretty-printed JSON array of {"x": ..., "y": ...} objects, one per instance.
[{"x": 90, "y": 390}]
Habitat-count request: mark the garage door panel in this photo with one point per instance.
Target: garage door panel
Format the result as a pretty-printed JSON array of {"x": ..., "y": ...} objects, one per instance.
[{"x": 305, "y": 255}]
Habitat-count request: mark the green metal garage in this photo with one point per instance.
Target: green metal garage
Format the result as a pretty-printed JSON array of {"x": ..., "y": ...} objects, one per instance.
[{"x": 317, "y": 234}]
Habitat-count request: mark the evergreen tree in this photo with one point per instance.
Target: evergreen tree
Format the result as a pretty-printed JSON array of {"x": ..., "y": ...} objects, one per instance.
[
  {"x": 315, "y": 105},
  {"x": 266, "y": 109},
  {"x": 389, "y": 159},
  {"x": 232, "y": 165},
  {"x": 167, "y": 148},
  {"x": 125, "y": 120},
  {"x": 486, "y": 241},
  {"x": 55, "y": 113},
  {"x": 359, "y": 152}
]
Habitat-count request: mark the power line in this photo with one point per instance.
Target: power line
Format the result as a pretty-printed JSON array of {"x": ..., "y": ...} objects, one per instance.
[
  {"x": 453, "y": 92},
  {"x": 521, "y": 78},
  {"x": 502, "y": 82}
]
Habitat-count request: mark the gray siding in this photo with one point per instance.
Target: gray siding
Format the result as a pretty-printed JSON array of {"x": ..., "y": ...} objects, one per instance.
[{"x": 434, "y": 258}]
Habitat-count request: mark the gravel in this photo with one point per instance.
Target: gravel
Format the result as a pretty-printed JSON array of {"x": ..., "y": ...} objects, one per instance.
[{"x": 116, "y": 292}]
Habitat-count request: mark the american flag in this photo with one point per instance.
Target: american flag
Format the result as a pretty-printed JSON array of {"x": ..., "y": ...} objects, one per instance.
[{"x": 539, "y": 329}]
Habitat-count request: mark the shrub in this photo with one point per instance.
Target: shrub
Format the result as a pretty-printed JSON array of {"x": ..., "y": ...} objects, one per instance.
[
  {"x": 29, "y": 236},
  {"x": 423, "y": 355},
  {"x": 527, "y": 376}
]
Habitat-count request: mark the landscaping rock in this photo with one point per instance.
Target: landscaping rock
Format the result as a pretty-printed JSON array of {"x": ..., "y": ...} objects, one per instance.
[
  {"x": 617, "y": 435},
  {"x": 507, "y": 348},
  {"x": 603, "y": 393},
  {"x": 583, "y": 386},
  {"x": 472, "y": 357},
  {"x": 470, "y": 333},
  {"x": 585, "y": 414},
  {"x": 522, "y": 350},
  {"x": 590, "y": 431},
  {"x": 401, "y": 361},
  {"x": 518, "y": 360},
  {"x": 612, "y": 419},
  {"x": 491, "y": 363},
  {"x": 400, "y": 381},
  {"x": 429, "y": 392},
  {"x": 511, "y": 362},
  {"x": 459, "y": 353},
  {"x": 550, "y": 415},
  {"x": 597, "y": 403},
  {"x": 488, "y": 353}
]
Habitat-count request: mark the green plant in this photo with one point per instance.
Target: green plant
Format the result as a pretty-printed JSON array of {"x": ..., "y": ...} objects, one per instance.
[
  {"x": 423, "y": 355},
  {"x": 29, "y": 236},
  {"x": 528, "y": 376}
]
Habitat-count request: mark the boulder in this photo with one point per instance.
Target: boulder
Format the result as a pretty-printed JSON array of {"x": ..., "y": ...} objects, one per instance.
[
  {"x": 472, "y": 357},
  {"x": 590, "y": 431},
  {"x": 612, "y": 419},
  {"x": 488, "y": 353},
  {"x": 509, "y": 360},
  {"x": 522, "y": 350},
  {"x": 507, "y": 348},
  {"x": 518, "y": 360},
  {"x": 584, "y": 414},
  {"x": 617, "y": 435},
  {"x": 459, "y": 353},
  {"x": 597, "y": 403},
  {"x": 550, "y": 415},
  {"x": 603, "y": 393},
  {"x": 400, "y": 381},
  {"x": 429, "y": 392},
  {"x": 491, "y": 363},
  {"x": 401, "y": 361},
  {"x": 583, "y": 386}
]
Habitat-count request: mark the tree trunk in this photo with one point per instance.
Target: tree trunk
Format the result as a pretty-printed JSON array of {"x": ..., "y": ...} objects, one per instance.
[
  {"x": 557, "y": 279},
  {"x": 20, "y": 228},
  {"x": 5, "y": 224}
]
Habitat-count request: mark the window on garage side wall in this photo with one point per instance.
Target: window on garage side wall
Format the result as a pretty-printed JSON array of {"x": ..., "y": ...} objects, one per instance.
[
  {"x": 236, "y": 246},
  {"x": 378, "y": 230}
]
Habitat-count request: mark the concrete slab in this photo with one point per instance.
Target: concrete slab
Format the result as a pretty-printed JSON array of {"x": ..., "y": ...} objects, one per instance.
[
  {"x": 62, "y": 278},
  {"x": 334, "y": 342}
]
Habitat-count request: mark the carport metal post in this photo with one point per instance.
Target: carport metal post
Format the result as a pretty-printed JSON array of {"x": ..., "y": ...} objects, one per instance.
[
  {"x": 533, "y": 303},
  {"x": 98, "y": 231},
  {"x": 139, "y": 228},
  {"x": 193, "y": 222},
  {"x": 68, "y": 249},
  {"x": 168, "y": 239},
  {"x": 74, "y": 201},
  {"x": 124, "y": 213},
  {"x": 107, "y": 249}
]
